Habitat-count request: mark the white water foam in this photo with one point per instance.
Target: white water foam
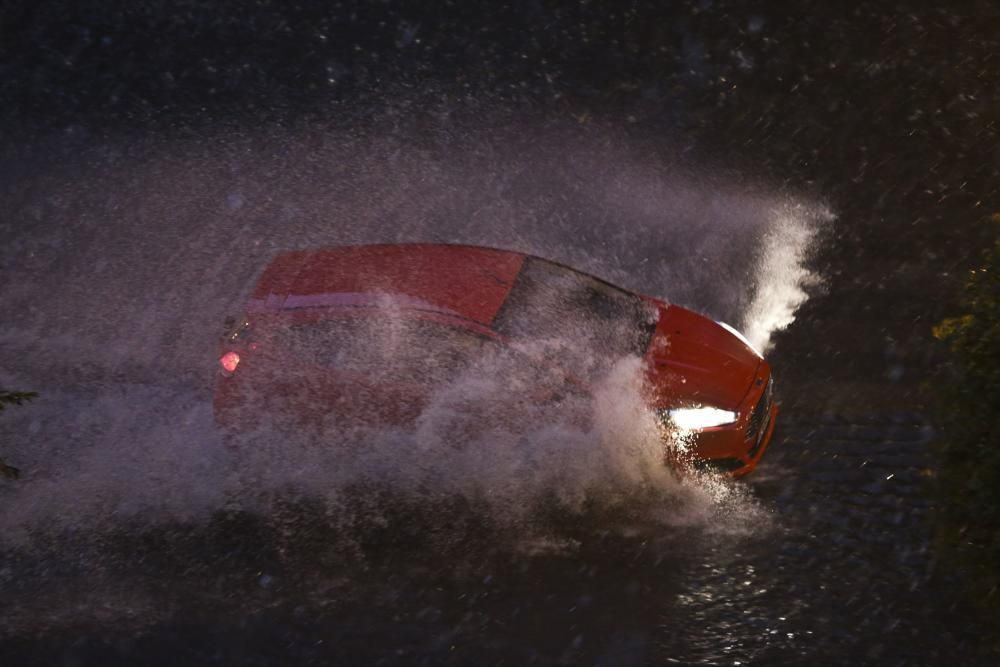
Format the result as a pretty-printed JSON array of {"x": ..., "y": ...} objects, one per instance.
[{"x": 782, "y": 273}]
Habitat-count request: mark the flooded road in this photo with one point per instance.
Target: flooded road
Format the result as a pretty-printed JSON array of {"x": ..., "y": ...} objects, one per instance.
[{"x": 838, "y": 571}]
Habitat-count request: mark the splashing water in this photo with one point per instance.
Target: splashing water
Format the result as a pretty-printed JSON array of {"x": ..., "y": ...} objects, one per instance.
[
  {"x": 782, "y": 274},
  {"x": 123, "y": 268}
]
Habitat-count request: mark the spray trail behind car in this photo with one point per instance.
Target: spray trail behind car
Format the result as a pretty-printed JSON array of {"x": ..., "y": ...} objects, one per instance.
[{"x": 142, "y": 455}]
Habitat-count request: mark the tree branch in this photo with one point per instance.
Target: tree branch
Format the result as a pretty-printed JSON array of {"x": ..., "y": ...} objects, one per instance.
[{"x": 10, "y": 472}]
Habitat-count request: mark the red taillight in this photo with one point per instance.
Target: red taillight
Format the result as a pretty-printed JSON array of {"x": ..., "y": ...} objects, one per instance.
[{"x": 229, "y": 361}]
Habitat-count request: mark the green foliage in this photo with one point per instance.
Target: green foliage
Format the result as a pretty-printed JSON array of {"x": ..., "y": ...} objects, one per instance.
[
  {"x": 13, "y": 398},
  {"x": 969, "y": 480}
]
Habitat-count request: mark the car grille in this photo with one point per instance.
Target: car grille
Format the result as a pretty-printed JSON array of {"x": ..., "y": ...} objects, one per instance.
[{"x": 760, "y": 411}]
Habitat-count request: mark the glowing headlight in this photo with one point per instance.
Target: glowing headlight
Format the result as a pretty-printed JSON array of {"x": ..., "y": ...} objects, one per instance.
[{"x": 695, "y": 418}]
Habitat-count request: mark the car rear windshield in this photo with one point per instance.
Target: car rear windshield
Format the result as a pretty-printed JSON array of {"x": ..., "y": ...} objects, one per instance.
[{"x": 553, "y": 302}]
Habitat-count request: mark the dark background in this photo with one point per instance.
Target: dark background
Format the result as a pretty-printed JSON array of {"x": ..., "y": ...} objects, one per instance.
[{"x": 886, "y": 111}]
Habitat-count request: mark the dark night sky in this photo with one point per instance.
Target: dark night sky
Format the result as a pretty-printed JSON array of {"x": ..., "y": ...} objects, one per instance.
[{"x": 887, "y": 111}]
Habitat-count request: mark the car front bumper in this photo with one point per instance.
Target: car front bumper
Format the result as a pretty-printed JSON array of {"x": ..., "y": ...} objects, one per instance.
[{"x": 736, "y": 449}]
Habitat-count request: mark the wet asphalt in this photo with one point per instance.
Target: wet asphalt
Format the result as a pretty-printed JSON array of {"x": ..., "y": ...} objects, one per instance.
[{"x": 839, "y": 571}]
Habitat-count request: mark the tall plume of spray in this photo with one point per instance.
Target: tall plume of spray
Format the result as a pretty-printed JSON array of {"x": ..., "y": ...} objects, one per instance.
[
  {"x": 782, "y": 274},
  {"x": 152, "y": 244}
]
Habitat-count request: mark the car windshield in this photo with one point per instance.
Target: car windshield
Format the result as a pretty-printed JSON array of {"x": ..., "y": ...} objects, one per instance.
[{"x": 553, "y": 302}]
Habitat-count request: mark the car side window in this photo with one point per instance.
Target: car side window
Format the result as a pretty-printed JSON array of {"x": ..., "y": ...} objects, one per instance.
[
  {"x": 551, "y": 301},
  {"x": 406, "y": 349}
]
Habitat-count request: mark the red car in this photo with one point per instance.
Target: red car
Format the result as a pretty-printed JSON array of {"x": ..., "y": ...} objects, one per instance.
[{"x": 356, "y": 329}]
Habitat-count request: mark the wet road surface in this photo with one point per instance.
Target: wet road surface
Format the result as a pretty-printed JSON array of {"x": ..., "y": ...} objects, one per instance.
[{"x": 838, "y": 571}]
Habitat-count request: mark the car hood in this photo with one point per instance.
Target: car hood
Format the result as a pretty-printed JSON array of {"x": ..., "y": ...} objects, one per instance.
[{"x": 695, "y": 361}]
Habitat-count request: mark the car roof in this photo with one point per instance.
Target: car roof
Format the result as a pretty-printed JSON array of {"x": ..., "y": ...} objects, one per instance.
[{"x": 470, "y": 282}]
